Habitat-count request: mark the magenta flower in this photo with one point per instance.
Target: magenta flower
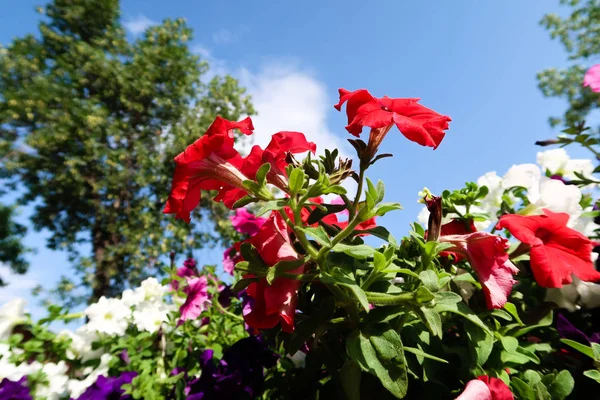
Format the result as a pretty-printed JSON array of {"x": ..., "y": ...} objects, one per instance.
[
  {"x": 232, "y": 256},
  {"x": 197, "y": 299},
  {"x": 246, "y": 222},
  {"x": 592, "y": 78}
]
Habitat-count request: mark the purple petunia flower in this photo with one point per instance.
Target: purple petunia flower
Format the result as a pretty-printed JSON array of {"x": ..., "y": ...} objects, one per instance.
[
  {"x": 238, "y": 375},
  {"x": 109, "y": 388},
  {"x": 14, "y": 390},
  {"x": 567, "y": 330}
]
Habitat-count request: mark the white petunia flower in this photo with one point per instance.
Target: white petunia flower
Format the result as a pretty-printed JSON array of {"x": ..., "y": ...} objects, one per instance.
[
  {"x": 524, "y": 175},
  {"x": 148, "y": 316},
  {"x": 76, "y": 387},
  {"x": 491, "y": 203},
  {"x": 56, "y": 387},
  {"x": 109, "y": 316},
  {"x": 543, "y": 192},
  {"x": 81, "y": 344},
  {"x": 557, "y": 161},
  {"x": 11, "y": 315},
  {"x": 575, "y": 295},
  {"x": 152, "y": 290},
  {"x": 132, "y": 298}
]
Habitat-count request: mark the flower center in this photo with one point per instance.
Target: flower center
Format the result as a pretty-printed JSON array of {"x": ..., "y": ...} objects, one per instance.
[{"x": 543, "y": 234}]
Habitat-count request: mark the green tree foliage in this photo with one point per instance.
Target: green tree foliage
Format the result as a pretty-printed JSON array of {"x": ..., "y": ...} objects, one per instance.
[
  {"x": 579, "y": 33},
  {"x": 93, "y": 121},
  {"x": 12, "y": 251}
]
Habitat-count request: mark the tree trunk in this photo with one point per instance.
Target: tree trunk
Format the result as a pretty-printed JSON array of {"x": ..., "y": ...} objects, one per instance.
[{"x": 101, "y": 283}]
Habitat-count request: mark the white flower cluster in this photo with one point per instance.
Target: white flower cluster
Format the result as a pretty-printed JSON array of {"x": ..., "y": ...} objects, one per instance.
[
  {"x": 544, "y": 192},
  {"x": 144, "y": 307}
]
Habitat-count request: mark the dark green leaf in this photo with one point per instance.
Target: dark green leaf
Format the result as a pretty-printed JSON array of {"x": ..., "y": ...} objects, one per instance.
[
  {"x": 350, "y": 377},
  {"x": 378, "y": 350}
]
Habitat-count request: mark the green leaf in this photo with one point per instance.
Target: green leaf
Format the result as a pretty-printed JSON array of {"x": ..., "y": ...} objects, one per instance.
[
  {"x": 296, "y": 180},
  {"x": 502, "y": 315},
  {"x": 481, "y": 342},
  {"x": 244, "y": 201},
  {"x": 378, "y": 350},
  {"x": 359, "y": 251},
  {"x": 524, "y": 391},
  {"x": 338, "y": 277},
  {"x": 243, "y": 284},
  {"x": 318, "y": 234},
  {"x": 380, "y": 189},
  {"x": 430, "y": 280},
  {"x": 401, "y": 271},
  {"x": 271, "y": 205},
  {"x": 423, "y": 295},
  {"x": 509, "y": 343},
  {"x": 421, "y": 353},
  {"x": 431, "y": 319},
  {"x": 261, "y": 174},
  {"x": 562, "y": 385},
  {"x": 593, "y": 374},
  {"x": 379, "y": 261},
  {"x": 335, "y": 189},
  {"x": 350, "y": 377},
  {"x": 462, "y": 310},
  {"x": 596, "y": 351},
  {"x": 579, "y": 347},
  {"x": 381, "y": 233},
  {"x": 520, "y": 356},
  {"x": 384, "y": 208},
  {"x": 447, "y": 298},
  {"x": 512, "y": 309}
]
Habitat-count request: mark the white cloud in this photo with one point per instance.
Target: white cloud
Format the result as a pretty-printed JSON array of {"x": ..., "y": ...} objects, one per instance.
[
  {"x": 17, "y": 285},
  {"x": 289, "y": 99},
  {"x": 138, "y": 24},
  {"x": 224, "y": 36}
]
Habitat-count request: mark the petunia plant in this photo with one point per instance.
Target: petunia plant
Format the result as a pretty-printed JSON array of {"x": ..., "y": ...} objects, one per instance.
[{"x": 473, "y": 302}]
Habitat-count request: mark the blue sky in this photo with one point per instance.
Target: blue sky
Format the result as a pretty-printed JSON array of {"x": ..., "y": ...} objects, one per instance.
[{"x": 473, "y": 61}]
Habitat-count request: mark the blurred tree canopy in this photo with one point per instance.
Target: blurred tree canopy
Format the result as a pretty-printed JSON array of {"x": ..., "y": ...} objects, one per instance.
[
  {"x": 89, "y": 125},
  {"x": 579, "y": 33}
]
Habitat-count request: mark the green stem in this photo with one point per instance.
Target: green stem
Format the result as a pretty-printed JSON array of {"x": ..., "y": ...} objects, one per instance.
[
  {"x": 338, "y": 238},
  {"x": 224, "y": 311},
  {"x": 349, "y": 304},
  {"x": 373, "y": 276},
  {"x": 339, "y": 320},
  {"x": 401, "y": 322},
  {"x": 297, "y": 208},
  {"x": 390, "y": 300},
  {"x": 354, "y": 205},
  {"x": 68, "y": 317}
]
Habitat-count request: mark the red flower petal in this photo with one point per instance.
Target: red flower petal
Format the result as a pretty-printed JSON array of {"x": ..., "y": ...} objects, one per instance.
[
  {"x": 487, "y": 255},
  {"x": 557, "y": 251}
]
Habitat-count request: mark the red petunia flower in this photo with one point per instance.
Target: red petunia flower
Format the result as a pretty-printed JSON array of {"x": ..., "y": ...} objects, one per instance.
[
  {"x": 486, "y": 388},
  {"x": 557, "y": 251},
  {"x": 456, "y": 227},
  {"x": 276, "y": 302},
  {"x": 209, "y": 163},
  {"x": 275, "y": 153},
  {"x": 487, "y": 255},
  {"x": 416, "y": 122}
]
